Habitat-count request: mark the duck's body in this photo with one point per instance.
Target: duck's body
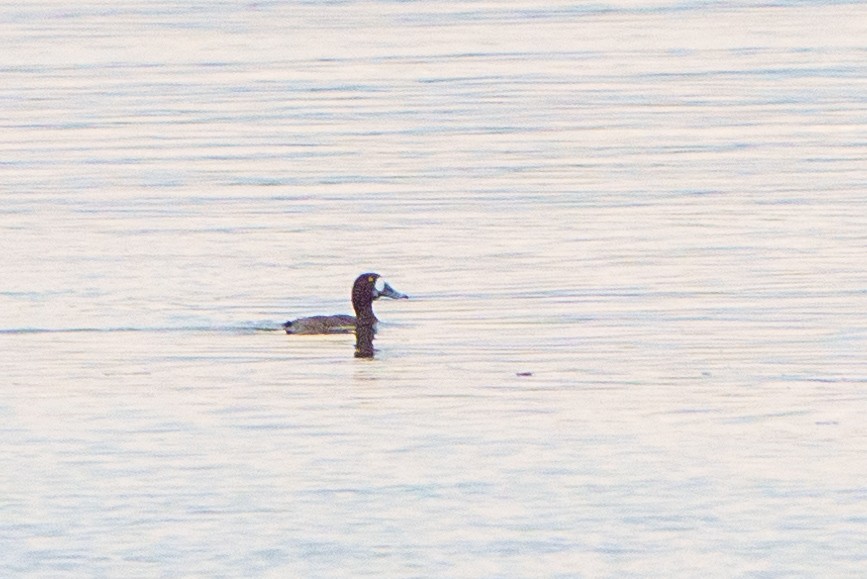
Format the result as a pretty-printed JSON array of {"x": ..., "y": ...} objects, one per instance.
[
  {"x": 367, "y": 288},
  {"x": 336, "y": 324}
]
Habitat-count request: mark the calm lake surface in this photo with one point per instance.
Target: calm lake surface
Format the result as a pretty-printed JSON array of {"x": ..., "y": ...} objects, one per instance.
[{"x": 633, "y": 233}]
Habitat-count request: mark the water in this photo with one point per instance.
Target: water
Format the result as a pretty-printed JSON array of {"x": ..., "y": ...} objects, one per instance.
[{"x": 634, "y": 237}]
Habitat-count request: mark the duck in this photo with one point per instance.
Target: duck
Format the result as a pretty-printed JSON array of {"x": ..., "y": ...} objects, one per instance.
[{"x": 366, "y": 288}]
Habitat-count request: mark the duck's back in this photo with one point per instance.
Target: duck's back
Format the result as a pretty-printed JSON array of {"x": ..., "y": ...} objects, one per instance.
[{"x": 336, "y": 324}]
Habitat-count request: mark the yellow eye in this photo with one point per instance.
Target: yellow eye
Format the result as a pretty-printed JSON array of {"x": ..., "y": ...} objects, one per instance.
[{"x": 370, "y": 278}]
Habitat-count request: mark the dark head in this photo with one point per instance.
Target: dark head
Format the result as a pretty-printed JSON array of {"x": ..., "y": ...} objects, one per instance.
[{"x": 369, "y": 287}]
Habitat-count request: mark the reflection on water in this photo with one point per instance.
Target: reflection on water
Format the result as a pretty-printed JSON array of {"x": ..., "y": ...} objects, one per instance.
[{"x": 634, "y": 239}]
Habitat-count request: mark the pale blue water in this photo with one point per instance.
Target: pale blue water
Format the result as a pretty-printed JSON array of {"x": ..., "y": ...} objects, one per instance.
[{"x": 658, "y": 211}]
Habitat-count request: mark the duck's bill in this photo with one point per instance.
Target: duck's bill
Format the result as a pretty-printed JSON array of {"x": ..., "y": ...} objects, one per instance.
[{"x": 389, "y": 292}]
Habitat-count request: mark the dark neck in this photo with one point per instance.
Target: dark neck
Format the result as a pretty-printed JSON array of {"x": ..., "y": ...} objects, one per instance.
[{"x": 363, "y": 311}]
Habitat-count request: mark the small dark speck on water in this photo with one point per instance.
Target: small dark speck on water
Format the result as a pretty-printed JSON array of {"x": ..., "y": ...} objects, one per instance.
[{"x": 523, "y": 373}]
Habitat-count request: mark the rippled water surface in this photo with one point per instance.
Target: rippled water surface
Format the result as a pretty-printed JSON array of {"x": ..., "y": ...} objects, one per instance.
[{"x": 634, "y": 237}]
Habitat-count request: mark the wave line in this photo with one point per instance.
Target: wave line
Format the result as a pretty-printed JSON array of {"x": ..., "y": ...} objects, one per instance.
[{"x": 150, "y": 329}]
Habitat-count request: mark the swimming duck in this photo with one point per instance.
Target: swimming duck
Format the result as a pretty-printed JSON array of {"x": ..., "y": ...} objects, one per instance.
[{"x": 367, "y": 287}]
